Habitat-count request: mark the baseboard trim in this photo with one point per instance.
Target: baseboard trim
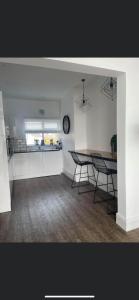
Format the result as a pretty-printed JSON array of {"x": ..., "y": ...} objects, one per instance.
[
  {"x": 5, "y": 210},
  {"x": 33, "y": 176},
  {"x": 128, "y": 224},
  {"x": 68, "y": 174},
  {"x": 120, "y": 221}
]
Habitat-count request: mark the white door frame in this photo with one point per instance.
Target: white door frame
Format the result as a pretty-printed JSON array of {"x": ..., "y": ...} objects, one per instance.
[{"x": 121, "y": 100}]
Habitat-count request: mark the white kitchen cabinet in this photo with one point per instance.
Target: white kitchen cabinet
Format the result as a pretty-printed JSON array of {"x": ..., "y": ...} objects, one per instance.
[
  {"x": 37, "y": 164},
  {"x": 34, "y": 161},
  {"x": 20, "y": 165},
  {"x": 52, "y": 163}
]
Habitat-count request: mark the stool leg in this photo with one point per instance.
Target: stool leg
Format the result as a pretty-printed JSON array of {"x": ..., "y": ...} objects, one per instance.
[
  {"x": 87, "y": 173},
  {"x": 79, "y": 180},
  {"x": 96, "y": 187},
  {"x": 113, "y": 185},
  {"x": 114, "y": 210},
  {"x": 108, "y": 211},
  {"x": 107, "y": 183},
  {"x": 72, "y": 185},
  {"x": 93, "y": 173}
]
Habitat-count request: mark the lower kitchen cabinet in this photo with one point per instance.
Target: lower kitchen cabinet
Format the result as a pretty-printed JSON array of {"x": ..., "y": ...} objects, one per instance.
[
  {"x": 37, "y": 164},
  {"x": 52, "y": 163}
]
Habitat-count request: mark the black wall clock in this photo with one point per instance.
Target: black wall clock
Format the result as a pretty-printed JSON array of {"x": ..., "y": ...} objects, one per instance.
[{"x": 66, "y": 124}]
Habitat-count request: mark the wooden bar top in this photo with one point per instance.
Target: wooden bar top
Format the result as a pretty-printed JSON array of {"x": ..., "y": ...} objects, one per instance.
[{"x": 105, "y": 155}]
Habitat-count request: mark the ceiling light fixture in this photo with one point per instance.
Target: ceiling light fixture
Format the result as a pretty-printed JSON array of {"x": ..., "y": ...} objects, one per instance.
[
  {"x": 84, "y": 102},
  {"x": 109, "y": 88}
]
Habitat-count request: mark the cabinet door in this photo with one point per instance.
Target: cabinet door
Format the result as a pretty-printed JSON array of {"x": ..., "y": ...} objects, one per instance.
[
  {"x": 20, "y": 165},
  {"x": 52, "y": 163},
  {"x": 35, "y": 164}
]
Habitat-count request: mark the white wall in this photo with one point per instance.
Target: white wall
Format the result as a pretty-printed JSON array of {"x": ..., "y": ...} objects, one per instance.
[
  {"x": 92, "y": 128},
  {"x": 68, "y": 140},
  {"x": 100, "y": 117},
  {"x": 101, "y": 123},
  {"x": 5, "y": 199},
  {"x": 127, "y": 128},
  {"x": 16, "y": 110},
  {"x": 76, "y": 139},
  {"x": 79, "y": 121}
]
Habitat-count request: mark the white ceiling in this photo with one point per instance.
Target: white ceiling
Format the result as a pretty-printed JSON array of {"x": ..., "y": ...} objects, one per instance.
[{"x": 38, "y": 83}]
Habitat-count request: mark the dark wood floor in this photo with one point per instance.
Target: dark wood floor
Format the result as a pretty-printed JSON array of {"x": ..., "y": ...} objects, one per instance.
[{"x": 46, "y": 209}]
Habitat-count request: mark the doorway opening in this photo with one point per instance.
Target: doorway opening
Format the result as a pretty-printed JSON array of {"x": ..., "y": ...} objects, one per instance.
[{"x": 62, "y": 66}]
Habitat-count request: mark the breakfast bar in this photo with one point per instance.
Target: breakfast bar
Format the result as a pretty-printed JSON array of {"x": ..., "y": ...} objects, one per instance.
[
  {"x": 108, "y": 156},
  {"x": 103, "y": 163}
]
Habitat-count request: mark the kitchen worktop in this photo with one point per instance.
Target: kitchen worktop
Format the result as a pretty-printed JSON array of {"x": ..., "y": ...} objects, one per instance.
[
  {"x": 37, "y": 150},
  {"x": 32, "y": 151},
  {"x": 104, "y": 154}
]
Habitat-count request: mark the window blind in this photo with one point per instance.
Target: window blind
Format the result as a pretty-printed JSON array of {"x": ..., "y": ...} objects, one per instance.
[
  {"x": 31, "y": 125},
  {"x": 43, "y": 125}
]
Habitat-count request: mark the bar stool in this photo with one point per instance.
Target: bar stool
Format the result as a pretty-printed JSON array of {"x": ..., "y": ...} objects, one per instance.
[
  {"x": 81, "y": 161},
  {"x": 101, "y": 167}
]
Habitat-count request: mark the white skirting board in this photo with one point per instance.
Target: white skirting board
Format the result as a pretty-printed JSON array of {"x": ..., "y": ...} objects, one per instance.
[
  {"x": 65, "y": 172},
  {"x": 127, "y": 224}
]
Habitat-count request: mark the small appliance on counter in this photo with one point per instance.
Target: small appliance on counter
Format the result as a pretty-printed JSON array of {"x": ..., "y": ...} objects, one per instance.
[
  {"x": 59, "y": 144},
  {"x": 42, "y": 143}
]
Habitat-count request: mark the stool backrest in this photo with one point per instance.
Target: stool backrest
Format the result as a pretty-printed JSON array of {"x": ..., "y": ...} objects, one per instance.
[
  {"x": 99, "y": 162},
  {"x": 78, "y": 158},
  {"x": 75, "y": 157}
]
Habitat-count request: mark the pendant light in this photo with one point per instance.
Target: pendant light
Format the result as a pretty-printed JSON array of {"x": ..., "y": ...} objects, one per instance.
[
  {"x": 109, "y": 88},
  {"x": 84, "y": 101}
]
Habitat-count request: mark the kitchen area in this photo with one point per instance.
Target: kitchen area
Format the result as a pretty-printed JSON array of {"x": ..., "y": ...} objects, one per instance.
[
  {"x": 44, "y": 118},
  {"x": 33, "y": 145},
  {"x": 30, "y": 159}
]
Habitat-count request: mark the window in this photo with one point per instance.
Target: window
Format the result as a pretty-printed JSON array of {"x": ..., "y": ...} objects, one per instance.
[
  {"x": 50, "y": 138},
  {"x": 33, "y": 125},
  {"x": 34, "y": 138},
  {"x": 41, "y": 130},
  {"x": 51, "y": 126}
]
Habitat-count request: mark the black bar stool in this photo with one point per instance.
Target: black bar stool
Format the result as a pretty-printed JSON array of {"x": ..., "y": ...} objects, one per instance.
[
  {"x": 101, "y": 167},
  {"x": 80, "y": 160}
]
